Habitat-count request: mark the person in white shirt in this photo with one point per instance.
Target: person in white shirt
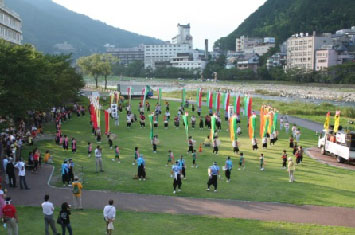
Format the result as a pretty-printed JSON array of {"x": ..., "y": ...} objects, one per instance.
[
  {"x": 22, "y": 173},
  {"x": 109, "y": 216},
  {"x": 4, "y": 164},
  {"x": 98, "y": 155},
  {"x": 48, "y": 210}
]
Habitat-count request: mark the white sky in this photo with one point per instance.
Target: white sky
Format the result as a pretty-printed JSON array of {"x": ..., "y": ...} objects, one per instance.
[{"x": 209, "y": 19}]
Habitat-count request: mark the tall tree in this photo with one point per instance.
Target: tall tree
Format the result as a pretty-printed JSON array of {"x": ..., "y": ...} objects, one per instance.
[
  {"x": 91, "y": 65},
  {"x": 107, "y": 62}
]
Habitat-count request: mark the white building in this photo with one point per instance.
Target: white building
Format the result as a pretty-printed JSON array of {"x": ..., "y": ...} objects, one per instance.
[
  {"x": 301, "y": 50},
  {"x": 259, "y": 49},
  {"x": 10, "y": 25},
  {"x": 326, "y": 58},
  {"x": 258, "y": 46},
  {"x": 184, "y": 36}
]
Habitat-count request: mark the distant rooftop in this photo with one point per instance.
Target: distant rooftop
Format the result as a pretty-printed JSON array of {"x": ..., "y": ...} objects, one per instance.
[{"x": 186, "y": 26}]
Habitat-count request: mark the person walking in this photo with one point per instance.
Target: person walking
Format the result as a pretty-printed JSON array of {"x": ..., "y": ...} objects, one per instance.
[
  {"x": 213, "y": 173},
  {"x": 22, "y": 174},
  {"x": 10, "y": 171},
  {"x": 228, "y": 169},
  {"x": 291, "y": 170},
  {"x": 284, "y": 159},
  {"x": 65, "y": 219},
  {"x": 241, "y": 161},
  {"x": 261, "y": 159},
  {"x": 98, "y": 154},
  {"x": 9, "y": 216},
  {"x": 48, "y": 210},
  {"x": 77, "y": 190},
  {"x": 183, "y": 166},
  {"x": 194, "y": 157},
  {"x": 141, "y": 168},
  {"x": 176, "y": 174},
  {"x": 109, "y": 216}
]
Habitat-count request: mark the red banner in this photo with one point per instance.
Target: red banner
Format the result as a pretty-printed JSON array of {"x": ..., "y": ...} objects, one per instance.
[
  {"x": 238, "y": 106},
  {"x": 211, "y": 100},
  {"x": 200, "y": 99},
  {"x": 107, "y": 122},
  {"x": 218, "y": 101},
  {"x": 250, "y": 106}
]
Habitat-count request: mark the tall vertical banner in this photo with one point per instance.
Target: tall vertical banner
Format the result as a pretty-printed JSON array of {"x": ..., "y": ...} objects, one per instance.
[
  {"x": 245, "y": 107},
  {"x": 213, "y": 126},
  {"x": 218, "y": 101},
  {"x": 327, "y": 121},
  {"x": 336, "y": 121},
  {"x": 266, "y": 124},
  {"x": 261, "y": 130},
  {"x": 144, "y": 95},
  {"x": 129, "y": 94},
  {"x": 198, "y": 97},
  {"x": 107, "y": 122},
  {"x": 183, "y": 98},
  {"x": 250, "y": 106},
  {"x": 151, "y": 125},
  {"x": 271, "y": 118},
  {"x": 185, "y": 119},
  {"x": 210, "y": 100},
  {"x": 238, "y": 106},
  {"x": 160, "y": 95},
  {"x": 112, "y": 96},
  {"x": 233, "y": 128},
  {"x": 215, "y": 100},
  {"x": 252, "y": 126},
  {"x": 274, "y": 122},
  {"x": 226, "y": 101}
]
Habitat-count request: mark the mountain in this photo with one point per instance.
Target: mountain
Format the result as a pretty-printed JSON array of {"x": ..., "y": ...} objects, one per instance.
[
  {"x": 48, "y": 26},
  {"x": 282, "y": 18}
]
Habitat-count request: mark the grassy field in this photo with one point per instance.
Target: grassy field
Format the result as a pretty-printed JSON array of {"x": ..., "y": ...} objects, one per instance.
[
  {"x": 91, "y": 222},
  {"x": 316, "y": 184}
]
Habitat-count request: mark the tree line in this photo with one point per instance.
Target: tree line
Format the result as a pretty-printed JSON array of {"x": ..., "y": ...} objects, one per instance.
[{"x": 33, "y": 81}]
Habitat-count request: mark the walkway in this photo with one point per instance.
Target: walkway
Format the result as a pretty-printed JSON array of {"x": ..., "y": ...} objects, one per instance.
[
  {"x": 315, "y": 154},
  {"x": 180, "y": 205}
]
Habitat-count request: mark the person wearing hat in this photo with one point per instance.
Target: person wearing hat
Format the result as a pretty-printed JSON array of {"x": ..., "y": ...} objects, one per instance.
[
  {"x": 213, "y": 172},
  {"x": 176, "y": 174},
  {"x": 291, "y": 169},
  {"x": 77, "y": 189},
  {"x": 141, "y": 167},
  {"x": 9, "y": 216}
]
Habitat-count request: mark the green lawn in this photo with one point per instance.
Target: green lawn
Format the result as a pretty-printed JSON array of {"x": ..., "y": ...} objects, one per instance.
[
  {"x": 316, "y": 184},
  {"x": 91, "y": 222}
]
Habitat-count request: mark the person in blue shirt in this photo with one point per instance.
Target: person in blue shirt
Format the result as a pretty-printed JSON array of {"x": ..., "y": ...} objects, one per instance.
[
  {"x": 176, "y": 174},
  {"x": 65, "y": 172},
  {"x": 141, "y": 167},
  {"x": 183, "y": 166},
  {"x": 213, "y": 172},
  {"x": 228, "y": 168}
]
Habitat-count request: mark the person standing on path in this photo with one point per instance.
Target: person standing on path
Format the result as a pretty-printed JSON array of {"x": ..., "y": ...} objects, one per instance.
[
  {"x": 213, "y": 173},
  {"x": 10, "y": 171},
  {"x": 109, "y": 216},
  {"x": 176, "y": 174},
  {"x": 141, "y": 168},
  {"x": 9, "y": 215},
  {"x": 64, "y": 217},
  {"x": 22, "y": 174},
  {"x": 98, "y": 155},
  {"x": 228, "y": 169},
  {"x": 48, "y": 210},
  {"x": 77, "y": 190},
  {"x": 291, "y": 170}
]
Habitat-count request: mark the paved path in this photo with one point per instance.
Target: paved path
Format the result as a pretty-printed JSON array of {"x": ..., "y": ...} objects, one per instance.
[
  {"x": 315, "y": 154},
  {"x": 182, "y": 205}
]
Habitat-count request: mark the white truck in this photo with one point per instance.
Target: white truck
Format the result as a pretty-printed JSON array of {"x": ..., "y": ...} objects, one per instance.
[{"x": 341, "y": 145}]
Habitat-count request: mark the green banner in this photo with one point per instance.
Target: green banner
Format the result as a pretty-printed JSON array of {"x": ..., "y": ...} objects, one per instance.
[
  {"x": 274, "y": 123},
  {"x": 253, "y": 123},
  {"x": 185, "y": 118},
  {"x": 266, "y": 126},
  {"x": 151, "y": 126},
  {"x": 197, "y": 96},
  {"x": 160, "y": 95},
  {"x": 183, "y": 98}
]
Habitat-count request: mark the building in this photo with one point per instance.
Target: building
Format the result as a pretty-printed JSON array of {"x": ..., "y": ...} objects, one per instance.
[
  {"x": 301, "y": 49},
  {"x": 259, "y": 49},
  {"x": 250, "y": 61},
  {"x": 127, "y": 55},
  {"x": 325, "y": 58},
  {"x": 258, "y": 46},
  {"x": 184, "y": 36},
  {"x": 10, "y": 25},
  {"x": 277, "y": 59}
]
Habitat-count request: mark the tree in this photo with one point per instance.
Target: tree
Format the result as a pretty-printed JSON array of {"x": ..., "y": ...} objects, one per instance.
[
  {"x": 91, "y": 65},
  {"x": 107, "y": 62}
]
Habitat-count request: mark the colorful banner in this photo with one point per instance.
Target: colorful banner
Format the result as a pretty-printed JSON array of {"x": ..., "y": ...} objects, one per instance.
[
  {"x": 246, "y": 106},
  {"x": 129, "y": 94},
  {"x": 274, "y": 123},
  {"x": 151, "y": 119},
  {"x": 183, "y": 98},
  {"x": 218, "y": 101},
  {"x": 160, "y": 95},
  {"x": 213, "y": 126},
  {"x": 233, "y": 128},
  {"x": 336, "y": 121},
  {"x": 226, "y": 101},
  {"x": 327, "y": 121},
  {"x": 261, "y": 130},
  {"x": 215, "y": 100},
  {"x": 107, "y": 122},
  {"x": 271, "y": 118},
  {"x": 185, "y": 119},
  {"x": 250, "y": 106},
  {"x": 144, "y": 95},
  {"x": 252, "y": 126},
  {"x": 210, "y": 100},
  {"x": 238, "y": 106},
  {"x": 200, "y": 99},
  {"x": 266, "y": 124}
]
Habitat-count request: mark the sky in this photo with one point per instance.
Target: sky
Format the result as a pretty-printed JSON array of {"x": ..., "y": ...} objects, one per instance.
[{"x": 209, "y": 19}]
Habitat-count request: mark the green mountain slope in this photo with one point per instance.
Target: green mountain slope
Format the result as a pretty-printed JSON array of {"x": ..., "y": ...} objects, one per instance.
[
  {"x": 46, "y": 23},
  {"x": 282, "y": 18}
]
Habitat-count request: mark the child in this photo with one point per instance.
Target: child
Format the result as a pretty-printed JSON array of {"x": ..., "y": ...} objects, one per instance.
[
  {"x": 261, "y": 158},
  {"x": 241, "y": 161},
  {"x": 142, "y": 121},
  {"x": 73, "y": 145},
  {"x": 199, "y": 111},
  {"x": 110, "y": 143},
  {"x": 166, "y": 123},
  {"x": 129, "y": 121},
  {"x": 191, "y": 145},
  {"x": 235, "y": 146},
  {"x": 89, "y": 149},
  {"x": 239, "y": 130},
  {"x": 170, "y": 158},
  {"x": 155, "y": 142},
  {"x": 136, "y": 154},
  {"x": 155, "y": 121},
  {"x": 284, "y": 159},
  {"x": 193, "y": 108},
  {"x": 117, "y": 154},
  {"x": 66, "y": 143},
  {"x": 193, "y": 122},
  {"x": 265, "y": 142},
  {"x": 194, "y": 157},
  {"x": 176, "y": 122},
  {"x": 272, "y": 138},
  {"x": 47, "y": 158},
  {"x": 201, "y": 123},
  {"x": 215, "y": 145},
  {"x": 291, "y": 141},
  {"x": 255, "y": 144}
]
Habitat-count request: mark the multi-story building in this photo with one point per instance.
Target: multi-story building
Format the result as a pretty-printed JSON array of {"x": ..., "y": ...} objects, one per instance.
[
  {"x": 249, "y": 61},
  {"x": 301, "y": 50},
  {"x": 10, "y": 25},
  {"x": 277, "y": 59},
  {"x": 258, "y": 46},
  {"x": 164, "y": 53},
  {"x": 325, "y": 58},
  {"x": 127, "y": 55}
]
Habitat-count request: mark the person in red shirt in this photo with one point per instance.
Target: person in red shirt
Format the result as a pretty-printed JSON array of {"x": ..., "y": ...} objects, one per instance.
[{"x": 9, "y": 216}]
